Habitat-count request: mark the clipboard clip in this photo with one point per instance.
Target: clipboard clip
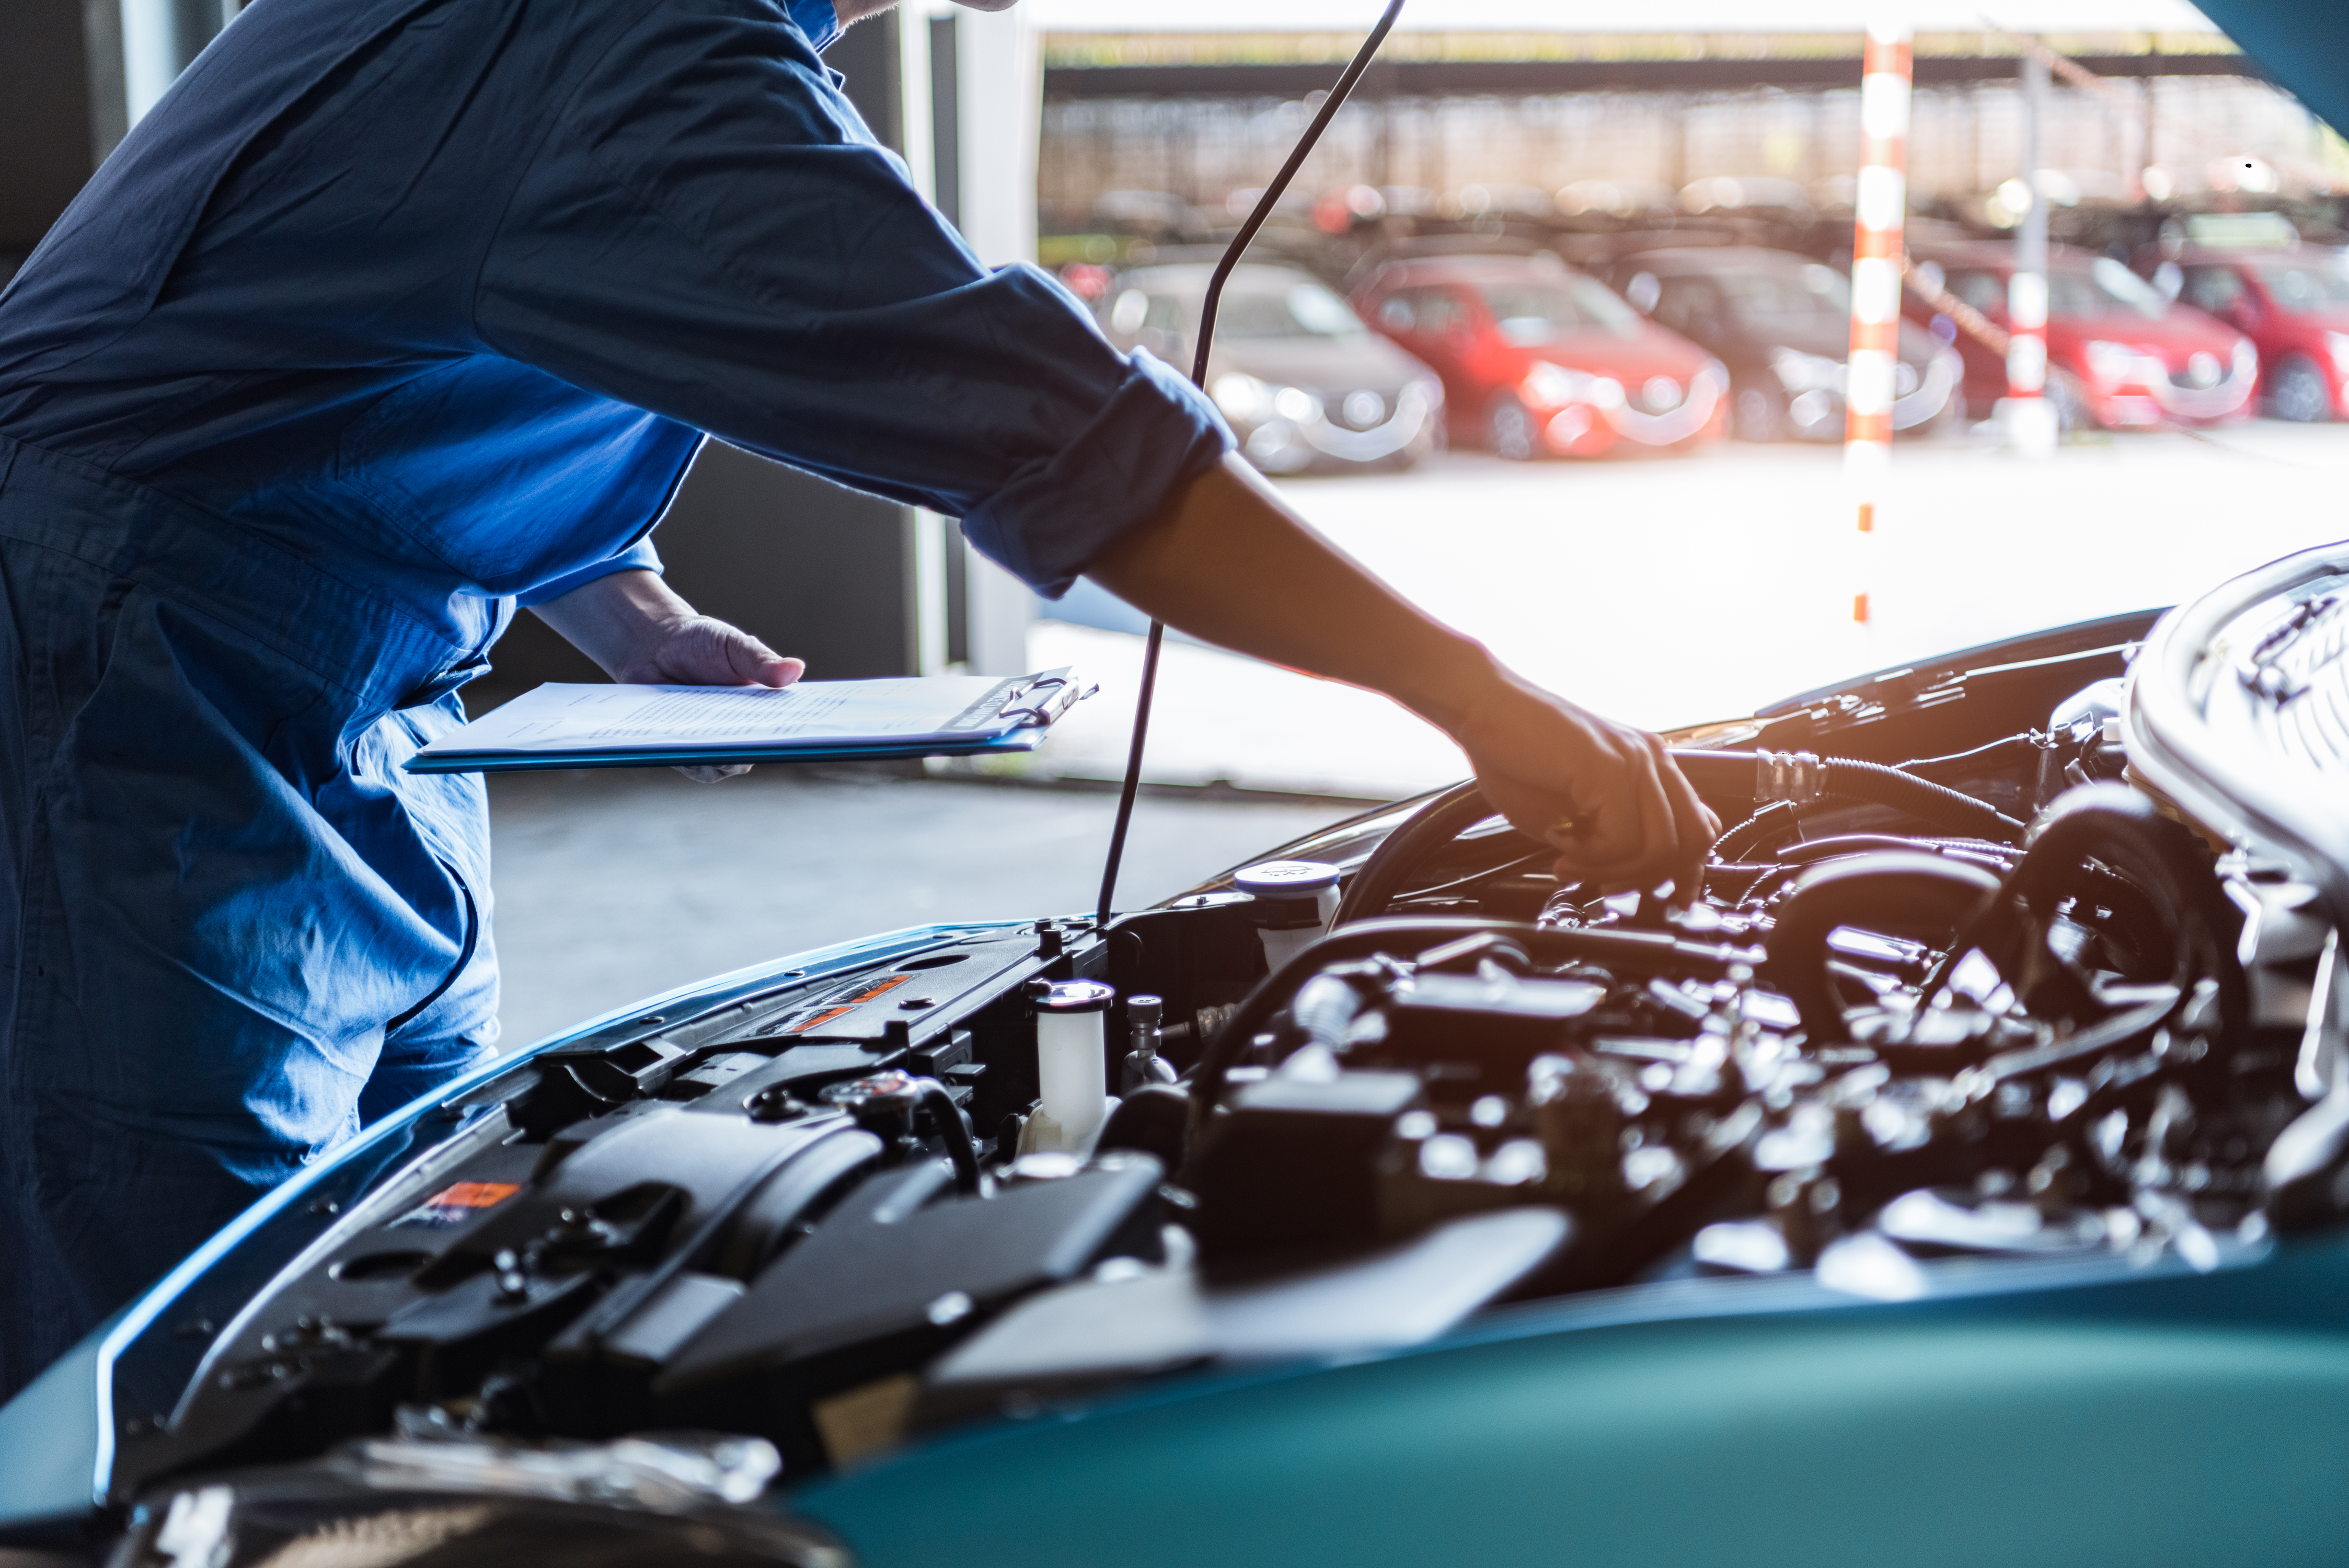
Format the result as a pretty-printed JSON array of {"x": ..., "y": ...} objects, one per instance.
[{"x": 1044, "y": 700}]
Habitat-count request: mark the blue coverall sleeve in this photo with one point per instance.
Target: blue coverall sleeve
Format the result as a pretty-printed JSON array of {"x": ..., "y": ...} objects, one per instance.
[
  {"x": 710, "y": 232},
  {"x": 639, "y": 557}
]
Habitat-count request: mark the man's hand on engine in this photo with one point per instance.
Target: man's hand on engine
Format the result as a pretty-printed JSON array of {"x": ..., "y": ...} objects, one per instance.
[
  {"x": 644, "y": 634},
  {"x": 1229, "y": 562},
  {"x": 1607, "y": 797}
]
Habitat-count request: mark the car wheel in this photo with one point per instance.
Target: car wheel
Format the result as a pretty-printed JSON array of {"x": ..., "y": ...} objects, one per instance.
[
  {"x": 1510, "y": 428},
  {"x": 1757, "y": 415},
  {"x": 2297, "y": 392}
]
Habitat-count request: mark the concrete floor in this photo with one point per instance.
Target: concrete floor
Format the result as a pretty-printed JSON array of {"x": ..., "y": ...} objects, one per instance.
[{"x": 613, "y": 886}]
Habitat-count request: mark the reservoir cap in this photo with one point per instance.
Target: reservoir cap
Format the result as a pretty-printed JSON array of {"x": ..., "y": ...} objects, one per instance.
[
  {"x": 1075, "y": 996},
  {"x": 1285, "y": 879}
]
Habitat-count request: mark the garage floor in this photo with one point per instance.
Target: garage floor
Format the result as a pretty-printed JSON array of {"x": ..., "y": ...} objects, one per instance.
[{"x": 614, "y": 886}]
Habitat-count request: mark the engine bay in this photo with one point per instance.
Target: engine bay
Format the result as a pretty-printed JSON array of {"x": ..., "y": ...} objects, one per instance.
[{"x": 1960, "y": 995}]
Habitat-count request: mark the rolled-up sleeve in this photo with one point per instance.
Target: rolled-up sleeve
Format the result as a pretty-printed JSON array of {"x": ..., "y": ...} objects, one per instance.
[
  {"x": 639, "y": 557},
  {"x": 709, "y": 232}
]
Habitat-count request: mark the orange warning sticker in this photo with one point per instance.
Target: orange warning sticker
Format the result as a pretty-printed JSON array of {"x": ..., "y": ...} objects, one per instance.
[
  {"x": 459, "y": 1202},
  {"x": 850, "y": 1003}
]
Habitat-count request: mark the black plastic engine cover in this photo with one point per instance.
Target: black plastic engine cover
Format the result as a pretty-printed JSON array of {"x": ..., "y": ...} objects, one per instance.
[
  {"x": 897, "y": 1273},
  {"x": 1291, "y": 1164}
]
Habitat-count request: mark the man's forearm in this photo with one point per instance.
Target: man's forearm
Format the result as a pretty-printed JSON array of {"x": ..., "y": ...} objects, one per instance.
[
  {"x": 616, "y": 618},
  {"x": 1228, "y": 563}
]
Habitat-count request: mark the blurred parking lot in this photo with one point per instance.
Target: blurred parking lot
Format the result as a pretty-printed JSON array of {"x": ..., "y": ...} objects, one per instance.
[{"x": 1662, "y": 591}]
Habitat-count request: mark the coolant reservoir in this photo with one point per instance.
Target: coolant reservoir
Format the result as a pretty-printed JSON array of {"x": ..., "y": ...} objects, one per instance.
[
  {"x": 1295, "y": 901},
  {"x": 1072, "y": 1068}
]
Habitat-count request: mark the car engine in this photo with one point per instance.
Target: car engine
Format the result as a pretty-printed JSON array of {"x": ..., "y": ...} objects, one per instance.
[{"x": 1965, "y": 999}]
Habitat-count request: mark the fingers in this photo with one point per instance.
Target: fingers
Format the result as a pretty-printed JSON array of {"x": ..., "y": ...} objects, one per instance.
[
  {"x": 755, "y": 664},
  {"x": 1648, "y": 826}
]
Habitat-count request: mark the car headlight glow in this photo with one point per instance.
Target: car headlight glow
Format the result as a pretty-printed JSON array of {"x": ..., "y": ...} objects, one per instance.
[
  {"x": 1241, "y": 397},
  {"x": 2115, "y": 363},
  {"x": 2338, "y": 344},
  {"x": 2246, "y": 359},
  {"x": 1298, "y": 404},
  {"x": 1551, "y": 384},
  {"x": 1800, "y": 372}
]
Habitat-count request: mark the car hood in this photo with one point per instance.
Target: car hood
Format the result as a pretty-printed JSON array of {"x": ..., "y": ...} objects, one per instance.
[
  {"x": 610, "y": 1282},
  {"x": 1655, "y": 352},
  {"x": 2179, "y": 334},
  {"x": 1317, "y": 365},
  {"x": 1832, "y": 340}
]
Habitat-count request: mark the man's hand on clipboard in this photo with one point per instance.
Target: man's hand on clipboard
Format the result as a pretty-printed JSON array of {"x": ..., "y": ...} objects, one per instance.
[
  {"x": 643, "y": 633},
  {"x": 1229, "y": 562}
]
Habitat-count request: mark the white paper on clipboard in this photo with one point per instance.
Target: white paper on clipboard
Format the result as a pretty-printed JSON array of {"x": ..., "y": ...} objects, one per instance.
[{"x": 567, "y": 718}]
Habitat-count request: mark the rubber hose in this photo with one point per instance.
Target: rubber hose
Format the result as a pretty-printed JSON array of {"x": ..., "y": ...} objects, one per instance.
[
  {"x": 1434, "y": 826},
  {"x": 1733, "y": 773},
  {"x": 1897, "y": 892},
  {"x": 1713, "y": 773},
  {"x": 1636, "y": 950},
  {"x": 957, "y": 1133},
  {"x": 1733, "y": 844},
  {"x": 2164, "y": 860}
]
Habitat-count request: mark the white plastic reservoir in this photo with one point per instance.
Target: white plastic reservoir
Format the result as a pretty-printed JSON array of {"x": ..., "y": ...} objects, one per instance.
[
  {"x": 1296, "y": 901},
  {"x": 1071, "y": 1073}
]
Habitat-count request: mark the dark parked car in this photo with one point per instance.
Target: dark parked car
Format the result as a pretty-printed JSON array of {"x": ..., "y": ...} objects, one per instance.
[
  {"x": 1304, "y": 383},
  {"x": 1781, "y": 324},
  {"x": 1539, "y": 359},
  {"x": 2294, "y": 307},
  {"x": 2120, "y": 354}
]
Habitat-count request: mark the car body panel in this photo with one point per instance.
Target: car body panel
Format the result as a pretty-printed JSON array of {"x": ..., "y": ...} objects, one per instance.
[
  {"x": 1786, "y": 367},
  {"x": 2174, "y": 1418},
  {"x": 1641, "y": 386},
  {"x": 2252, "y": 291},
  {"x": 2207, "y": 370},
  {"x": 1300, "y": 398}
]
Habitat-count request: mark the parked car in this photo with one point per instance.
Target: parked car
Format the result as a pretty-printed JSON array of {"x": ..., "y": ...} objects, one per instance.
[
  {"x": 1781, "y": 324},
  {"x": 2294, "y": 307},
  {"x": 1304, "y": 383},
  {"x": 2120, "y": 354},
  {"x": 1538, "y": 359},
  {"x": 1934, "y": 1190}
]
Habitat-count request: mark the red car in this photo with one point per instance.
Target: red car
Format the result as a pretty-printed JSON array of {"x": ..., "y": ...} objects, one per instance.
[
  {"x": 2120, "y": 353},
  {"x": 2294, "y": 305},
  {"x": 1537, "y": 358}
]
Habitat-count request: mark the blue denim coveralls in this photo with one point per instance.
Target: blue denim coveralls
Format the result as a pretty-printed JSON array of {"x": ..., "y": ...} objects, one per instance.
[{"x": 394, "y": 315}]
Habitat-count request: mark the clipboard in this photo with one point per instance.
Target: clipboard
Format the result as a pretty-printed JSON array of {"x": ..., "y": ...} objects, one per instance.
[{"x": 563, "y": 727}]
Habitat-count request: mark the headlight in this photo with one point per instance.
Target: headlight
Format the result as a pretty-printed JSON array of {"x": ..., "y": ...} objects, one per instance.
[
  {"x": 2247, "y": 359},
  {"x": 1550, "y": 383},
  {"x": 1298, "y": 404},
  {"x": 1424, "y": 394},
  {"x": 1242, "y": 397},
  {"x": 2338, "y": 343},
  {"x": 2112, "y": 363},
  {"x": 1800, "y": 372}
]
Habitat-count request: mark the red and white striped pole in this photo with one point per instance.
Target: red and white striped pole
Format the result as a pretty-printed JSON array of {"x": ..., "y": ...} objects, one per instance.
[
  {"x": 2030, "y": 421},
  {"x": 1881, "y": 198}
]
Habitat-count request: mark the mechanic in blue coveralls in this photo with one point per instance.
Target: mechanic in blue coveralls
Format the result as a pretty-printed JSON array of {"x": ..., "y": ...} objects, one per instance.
[{"x": 396, "y": 316}]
